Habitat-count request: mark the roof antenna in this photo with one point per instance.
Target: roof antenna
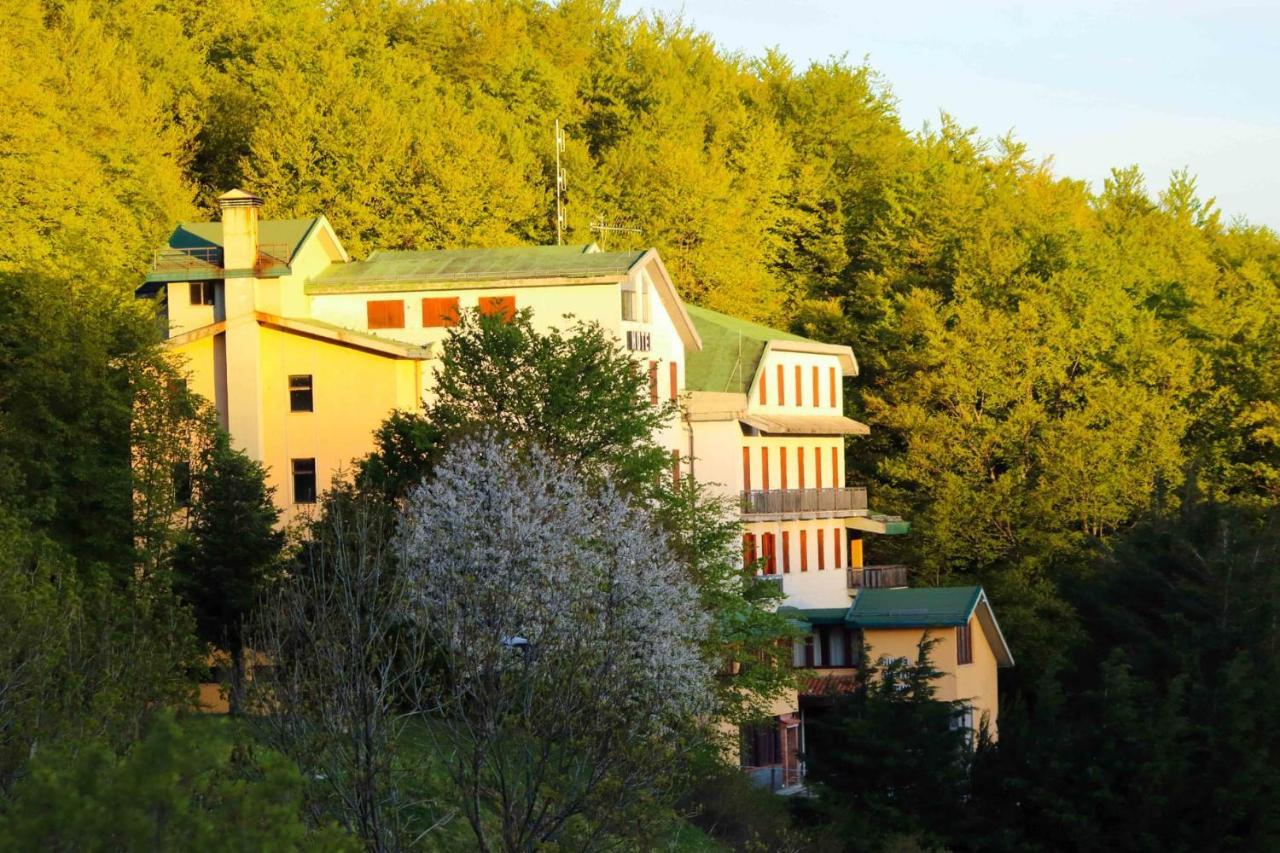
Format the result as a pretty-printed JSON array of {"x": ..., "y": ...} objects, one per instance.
[
  {"x": 559, "y": 186},
  {"x": 603, "y": 228}
]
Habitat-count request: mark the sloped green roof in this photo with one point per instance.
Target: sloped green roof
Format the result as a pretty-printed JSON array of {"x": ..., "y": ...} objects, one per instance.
[
  {"x": 731, "y": 351},
  {"x": 924, "y": 607},
  {"x": 395, "y": 270},
  {"x": 287, "y": 232},
  {"x": 816, "y": 615}
]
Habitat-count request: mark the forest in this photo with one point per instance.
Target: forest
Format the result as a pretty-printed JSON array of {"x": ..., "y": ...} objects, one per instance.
[{"x": 1074, "y": 391}]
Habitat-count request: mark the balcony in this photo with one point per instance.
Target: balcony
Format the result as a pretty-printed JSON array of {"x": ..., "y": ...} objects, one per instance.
[
  {"x": 204, "y": 262},
  {"x": 877, "y": 577},
  {"x": 764, "y": 505}
]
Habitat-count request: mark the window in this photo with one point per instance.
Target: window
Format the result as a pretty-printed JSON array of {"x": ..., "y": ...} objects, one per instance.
[
  {"x": 439, "y": 311},
  {"x": 653, "y": 383},
  {"x": 201, "y": 292},
  {"x": 385, "y": 314},
  {"x": 964, "y": 644},
  {"x": 304, "y": 481},
  {"x": 675, "y": 381},
  {"x": 182, "y": 483},
  {"x": 748, "y": 550},
  {"x": 300, "y": 394},
  {"x": 770, "y": 557},
  {"x": 746, "y": 469},
  {"x": 786, "y": 552},
  {"x": 628, "y": 305},
  {"x": 761, "y": 745},
  {"x": 498, "y": 306},
  {"x": 644, "y": 299}
]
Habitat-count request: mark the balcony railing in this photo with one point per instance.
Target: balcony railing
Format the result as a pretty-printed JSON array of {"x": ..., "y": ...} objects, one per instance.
[
  {"x": 796, "y": 501},
  {"x": 204, "y": 259},
  {"x": 877, "y": 577}
]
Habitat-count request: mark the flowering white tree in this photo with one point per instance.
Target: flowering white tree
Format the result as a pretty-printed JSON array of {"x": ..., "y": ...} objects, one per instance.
[{"x": 569, "y": 640}]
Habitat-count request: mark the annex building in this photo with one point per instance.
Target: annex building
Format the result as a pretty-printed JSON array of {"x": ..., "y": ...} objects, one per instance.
[{"x": 304, "y": 351}]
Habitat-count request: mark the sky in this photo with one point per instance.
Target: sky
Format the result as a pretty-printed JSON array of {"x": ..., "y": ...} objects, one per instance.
[{"x": 1092, "y": 84}]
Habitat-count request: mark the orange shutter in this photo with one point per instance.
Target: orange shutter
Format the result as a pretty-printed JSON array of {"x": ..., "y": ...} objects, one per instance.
[
  {"x": 804, "y": 551},
  {"x": 817, "y": 467},
  {"x": 822, "y": 550},
  {"x": 855, "y": 552},
  {"x": 832, "y": 375},
  {"x": 835, "y": 468},
  {"x": 746, "y": 469},
  {"x": 835, "y": 541},
  {"x": 782, "y": 461},
  {"x": 675, "y": 381},
  {"x": 800, "y": 465},
  {"x": 770, "y": 558},
  {"x": 799, "y": 385},
  {"x": 748, "y": 550},
  {"x": 816, "y": 390},
  {"x": 764, "y": 468},
  {"x": 675, "y": 468},
  {"x": 442, "y": 311},
  {"x": 385, "y": 314},
  {"x": 763, "y": 398},
  {"x": 653, "y": 383},
  {"x": 498, "y": 306},
  {"x": 782, "y": 391},
  {"x": 786, "y": 552}
]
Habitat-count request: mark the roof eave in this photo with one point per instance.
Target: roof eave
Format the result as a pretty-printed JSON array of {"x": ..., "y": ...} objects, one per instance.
[{"x": 671, "y": 299}]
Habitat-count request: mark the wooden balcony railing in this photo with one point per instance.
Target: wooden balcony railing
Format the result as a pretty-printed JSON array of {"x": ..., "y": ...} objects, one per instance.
[
  {"x": 877, "y": 577},
  {"x": 200, "y": 259},
  {"x": 794, "y": 501}
]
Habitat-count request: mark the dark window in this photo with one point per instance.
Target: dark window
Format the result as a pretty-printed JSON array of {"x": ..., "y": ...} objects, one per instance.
[
  {"x": 300, "y": 394},
  {"x": 761, "y": 745},
  {"x": 182, "y": 483},
  {"x": 440, "y": 311},
  {"x": 498, "y": 306},
  {"x": 201, "y": 292},
  {"x": 964, "y": 644},
  {"x": 304, "y": 481},
  {"x": 386, "y": 314},
  {"x": 748, "y": 550}
]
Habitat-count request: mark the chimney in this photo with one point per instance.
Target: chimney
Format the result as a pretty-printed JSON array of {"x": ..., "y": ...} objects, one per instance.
[{"x": 239, "y": 230}]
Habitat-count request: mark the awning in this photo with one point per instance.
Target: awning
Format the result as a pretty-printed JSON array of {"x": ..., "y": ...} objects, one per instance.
[
  {"x": 888, "y": 525},
  {"x": 805, "y": 424}
]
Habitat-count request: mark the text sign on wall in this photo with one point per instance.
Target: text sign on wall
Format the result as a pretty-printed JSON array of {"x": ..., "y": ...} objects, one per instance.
[{"x": 638, "y": 341}]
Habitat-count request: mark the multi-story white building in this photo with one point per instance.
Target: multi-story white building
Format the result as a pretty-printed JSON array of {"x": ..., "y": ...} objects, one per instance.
[{"x": 304, "y": 352}]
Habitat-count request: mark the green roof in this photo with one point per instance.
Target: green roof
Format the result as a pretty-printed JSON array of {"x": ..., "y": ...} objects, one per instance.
[
  {"x": 399, "y": 270},
  {"x": 816, "y": 615},
  {"x": 924, "y": 607},
  {"x": 731, "y": 351},
  {"x": 194, "y": 251}
]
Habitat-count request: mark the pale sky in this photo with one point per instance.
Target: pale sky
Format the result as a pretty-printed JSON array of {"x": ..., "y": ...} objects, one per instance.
[{"x": 1092, "y": 83}]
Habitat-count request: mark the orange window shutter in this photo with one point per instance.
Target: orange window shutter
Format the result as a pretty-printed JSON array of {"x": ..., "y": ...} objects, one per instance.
[
  {"x": 800, "y": 465},
  {"x": 498, "y": 306},
  {"x": 675, "y": 381},
  {"x": 653, "y": 383},
  {"x": 675, "y": 468},
  {"x": 438, "y": 312},
  {"x": 835, "y": 468},
  {"x": 770, "y": 558},
  {"x": 782, "y": 391},
  {"x": 822, "y": 550},
  {"x": 804, "y": 550},
  {"x": 832, "y": 375},
  {"x": 385, "y": 314},
  {"x": 817, "y": 392},
  {"x": 836, "y": 546},
  {"x": 748, "y": 550},
  {"x": 746, "y": 469},
  {"x": 763, "y": 395},
  {"x": 817, "y": 467},
  {"x": 855, "y": 552},
  {"x": 782, "y": 461},
  {"x": 799, "y": 385},
  {"x": 764, "y": 468},
  {"x": 786, "y": 552}
]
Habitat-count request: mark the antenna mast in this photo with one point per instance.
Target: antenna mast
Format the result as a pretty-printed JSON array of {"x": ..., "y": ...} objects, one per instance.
[
  {"x": 604, "y": 229},
  {"x": 559, "y": 186}
]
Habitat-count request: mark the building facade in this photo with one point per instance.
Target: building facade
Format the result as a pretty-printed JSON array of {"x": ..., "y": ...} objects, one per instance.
[{"x": 304, "y": 352}]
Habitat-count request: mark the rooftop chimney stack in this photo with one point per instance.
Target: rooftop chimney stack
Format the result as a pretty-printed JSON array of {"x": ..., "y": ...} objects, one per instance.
[{"x": 239, "y": 230}]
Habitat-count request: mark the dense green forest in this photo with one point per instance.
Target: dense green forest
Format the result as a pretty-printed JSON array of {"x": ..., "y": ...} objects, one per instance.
[{"x": 1074, "y": 391}]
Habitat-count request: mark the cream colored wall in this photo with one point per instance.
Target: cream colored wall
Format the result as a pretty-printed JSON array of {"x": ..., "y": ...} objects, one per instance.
[
  {"x": 778, "y": 445},
  {"x": 183, "y": 316},
  {"x": 717, "y": 452},
  {"x": 768, "y": 370},
  {"x": 812, "y": 586},
  {"x": 353, "y": 392},
  {"x": 976, "y": 683},
  {"x": 196, "y": 360}
]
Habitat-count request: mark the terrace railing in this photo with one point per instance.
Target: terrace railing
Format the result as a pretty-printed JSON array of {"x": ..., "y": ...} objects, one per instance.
[
  {"x": 798, "y": 501},
  {"x": 877, "y": 577}
]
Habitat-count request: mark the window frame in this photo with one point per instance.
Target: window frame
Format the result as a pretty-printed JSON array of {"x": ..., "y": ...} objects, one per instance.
[
  {"x": 296, "y": 389},
  {"x": 297, "y": 468},
  {"x": 964, "y": 644},
  {"x": 205, "y": 289}
]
